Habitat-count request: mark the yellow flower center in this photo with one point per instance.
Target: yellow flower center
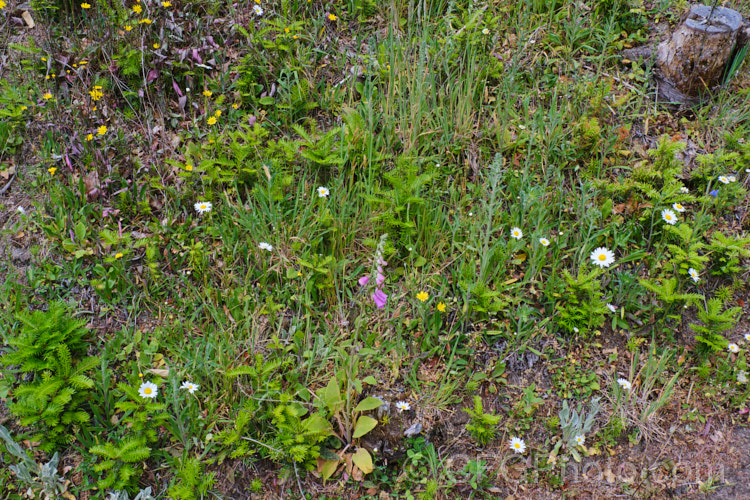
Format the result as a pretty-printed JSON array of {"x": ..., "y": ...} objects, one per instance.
[
  {"x": 602, "y": 257},
  {"x": 147, "y": 390}
]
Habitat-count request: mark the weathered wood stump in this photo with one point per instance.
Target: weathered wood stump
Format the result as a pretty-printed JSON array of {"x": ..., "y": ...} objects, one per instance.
[{"x": 691, "y": 61}]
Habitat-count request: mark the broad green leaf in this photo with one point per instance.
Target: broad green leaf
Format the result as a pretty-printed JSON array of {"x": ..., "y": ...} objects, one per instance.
[
  {"x": 363, "y": 460},
  {"x": 364, "y": 425},
  {"x": 369, "y": 379},
  {"x": 368, "y": 404},
  {"x": 327, "y": 469},
  {"x": 291, "y": 273},
  {"x": 332, "y": 395}
]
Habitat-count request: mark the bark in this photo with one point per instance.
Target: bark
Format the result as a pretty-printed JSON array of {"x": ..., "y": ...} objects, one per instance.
[{"x": 691, "y": 61}]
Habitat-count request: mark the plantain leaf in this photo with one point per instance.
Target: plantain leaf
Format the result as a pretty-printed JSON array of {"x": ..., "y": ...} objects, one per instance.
[
  {"x": 368, "y": 404},
  {"x": 363, "y": 460},
  {"x": 364, "y": 425}
]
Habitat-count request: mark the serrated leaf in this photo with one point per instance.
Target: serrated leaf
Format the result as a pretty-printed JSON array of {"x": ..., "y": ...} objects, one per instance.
[
  {"x": 368, "y": 404},
  {"x": 363, "y": 460},
  {"x": 364, "y": 425}
]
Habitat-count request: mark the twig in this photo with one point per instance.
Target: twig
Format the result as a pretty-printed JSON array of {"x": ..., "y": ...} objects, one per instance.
[
  {"x": 299, "y": 484},
  {"x": 7, "y": 186},
  {"x": 262, "y": 444}
]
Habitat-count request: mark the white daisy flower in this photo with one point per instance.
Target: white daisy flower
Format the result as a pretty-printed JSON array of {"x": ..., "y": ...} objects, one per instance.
[
  {"x": 575, "y": 329},
  {"x": 189, "y": 386},
  {"x": 580, "y": 439},
  {"x": 403, "y": 406},
  {"x": 611, "y": 307},
  {"x": 723, "y": 179},
  {"x": 517, "y": 445},
  {"x": 203, "y": 207},
  {"x": 485, "y": 31},
  {"x": 694, "y": 274},
  {"x": 544, "y": 242},
  {"x": 516, "y": 233},
  {"x": 678, "y": 207},
  {"x": 733, "y": 347},
  {"x": 602, "y": 257},
  {"x": 732, "y": 178},
  {"x": 323, "y": 192},
  {"x": 624, "y": 383},
  {"x": 684, "y": 190},
  {"x": 258, "y": 10},
  {"x": 747, "y": 337},
  {"x": 148, "y": 390},
  {"x": 265, "y": 246},
  {"x": 669, "y": 216}
]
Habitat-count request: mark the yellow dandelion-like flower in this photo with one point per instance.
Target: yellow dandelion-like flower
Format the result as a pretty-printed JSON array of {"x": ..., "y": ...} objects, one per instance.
[
  {"x": 89, "y": 137},
  {"x": 101, "y": 130},
  {"x": 332, "y": 17},
  {"x": 96, "y": 93},
  {"x": 52, "y": 170},
  {"x": 235, "y": 106},
  {"x": 137, "y": 9},
  {"x": 166, "y": 4},
  {"x": 47, "y": 96},
  {"x": 422, "y": 296},
  {"x": 2, "y": 4},
  {"x": 128, "y": 27},
  {"x": 189, "y": 167},
  {"x": 207, "y": 93},
  {"x": 144, "y": 21},
  {"x": 441, "y": 307},
  {"x": 217, "y": 113},
  {"x": 156, "y": 45},
  {"x": 211, "y": 120},
  {"x": 85, "y": 5},
  {"x": 118, "y": 255}
]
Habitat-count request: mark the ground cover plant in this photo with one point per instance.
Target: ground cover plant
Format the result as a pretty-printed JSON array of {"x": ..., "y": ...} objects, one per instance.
[{"x": 356, "y": 249}]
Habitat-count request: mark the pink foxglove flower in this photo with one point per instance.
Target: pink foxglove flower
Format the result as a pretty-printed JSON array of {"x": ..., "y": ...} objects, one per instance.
[
  {"x": 363, "y": 280},
  {"x": 380, "y": 298}
]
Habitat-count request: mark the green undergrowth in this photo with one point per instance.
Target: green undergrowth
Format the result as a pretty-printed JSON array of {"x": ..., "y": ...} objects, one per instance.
[{"x": 280, "y": 234}]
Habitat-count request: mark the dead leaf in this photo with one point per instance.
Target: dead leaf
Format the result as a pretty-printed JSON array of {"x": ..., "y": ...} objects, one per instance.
[
  {"x": 29, "y": 20},
  {"x": 163, "y": 373},
  {"x": 609, "y": 476},
  {"x": 5, "y": 174}
]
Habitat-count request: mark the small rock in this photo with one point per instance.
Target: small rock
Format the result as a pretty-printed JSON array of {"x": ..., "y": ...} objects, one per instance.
[
  {"x": 413, "y": 430},
  {"x": 20, "y": 256}
]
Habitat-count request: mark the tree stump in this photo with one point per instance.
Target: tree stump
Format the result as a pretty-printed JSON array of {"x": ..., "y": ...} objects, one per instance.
[{"x": 692, "y": 60}]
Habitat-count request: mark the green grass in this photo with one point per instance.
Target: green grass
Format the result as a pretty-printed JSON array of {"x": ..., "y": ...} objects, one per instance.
[{"x": 437, "y": 127}]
